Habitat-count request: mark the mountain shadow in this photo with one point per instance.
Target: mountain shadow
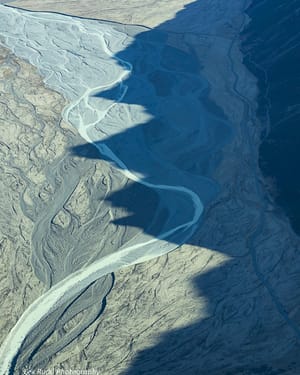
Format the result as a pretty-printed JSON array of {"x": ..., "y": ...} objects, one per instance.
[
  {"x": 177, "y": 138},
  {"x": 271, "y": 54}
]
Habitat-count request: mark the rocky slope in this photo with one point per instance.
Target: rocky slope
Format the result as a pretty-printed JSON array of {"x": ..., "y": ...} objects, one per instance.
[{"x": 272, "y": 48}]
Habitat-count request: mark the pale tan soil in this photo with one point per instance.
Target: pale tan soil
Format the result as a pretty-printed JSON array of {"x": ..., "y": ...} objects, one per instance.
[
  {"x": 48, "y": 196},
  {"x": 148, "y": 12},
  {"x": 29, "y": 115}
]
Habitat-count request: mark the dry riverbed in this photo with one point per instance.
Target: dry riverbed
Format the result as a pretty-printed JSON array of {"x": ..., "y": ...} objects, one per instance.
[{"x": 232, "y": 309}]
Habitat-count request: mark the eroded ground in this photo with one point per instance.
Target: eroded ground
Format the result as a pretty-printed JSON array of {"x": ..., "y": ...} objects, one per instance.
[
  {"x": 231, "y": 309},
  {"x": 49, "y": 220}
]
